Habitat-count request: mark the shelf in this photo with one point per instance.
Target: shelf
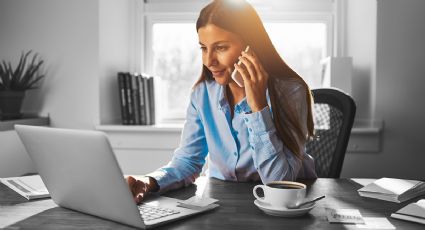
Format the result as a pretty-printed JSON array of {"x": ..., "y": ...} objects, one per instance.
[{"x": 6, "y": 125}]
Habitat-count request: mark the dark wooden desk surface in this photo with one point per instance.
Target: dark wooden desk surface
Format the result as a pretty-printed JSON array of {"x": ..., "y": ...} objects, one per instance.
[{"x": 236, "y": 211}]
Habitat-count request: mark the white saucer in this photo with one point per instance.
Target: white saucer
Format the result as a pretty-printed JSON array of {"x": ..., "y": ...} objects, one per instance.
[{"x": 283, "y": 211}]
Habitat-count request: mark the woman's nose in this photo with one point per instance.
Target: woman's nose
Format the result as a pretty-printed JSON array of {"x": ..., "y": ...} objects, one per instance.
[{"x": 210, "y": 59}]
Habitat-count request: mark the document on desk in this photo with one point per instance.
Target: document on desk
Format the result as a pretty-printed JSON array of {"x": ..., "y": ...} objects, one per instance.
[
  {"x": 392, "y": 189},
  {"x": 30, "y": 187},
  {"x": 412, "y": 212},
  {"x": 345, "y": 216},
  {"x": 199, "y": 203}
]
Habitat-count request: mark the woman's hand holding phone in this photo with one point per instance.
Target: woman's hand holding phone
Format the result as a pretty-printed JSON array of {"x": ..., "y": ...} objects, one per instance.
[{"x": 255, "y": 80}]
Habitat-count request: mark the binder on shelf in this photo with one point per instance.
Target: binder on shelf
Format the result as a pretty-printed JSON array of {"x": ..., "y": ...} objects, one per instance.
[
  {"x": 129, "y": 99},
  {"x": 123, "y": 98},
  {"x": 151, "y": 100},
  {"x": 147, "y": 100},
  {"x": 142, "y": 108},
  {"x": 135, "y": 99}
]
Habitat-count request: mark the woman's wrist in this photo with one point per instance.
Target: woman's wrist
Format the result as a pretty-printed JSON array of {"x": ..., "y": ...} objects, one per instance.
[
  {"x": 152, "y": 184},
  {"x": 259, "y": 104}
]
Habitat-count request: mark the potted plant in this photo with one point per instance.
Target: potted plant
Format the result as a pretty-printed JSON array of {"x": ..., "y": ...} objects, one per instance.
[{"x": 15, "y": 81}]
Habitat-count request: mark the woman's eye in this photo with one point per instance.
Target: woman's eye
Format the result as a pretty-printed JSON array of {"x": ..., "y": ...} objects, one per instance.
[{"x": 221, "y": 48}]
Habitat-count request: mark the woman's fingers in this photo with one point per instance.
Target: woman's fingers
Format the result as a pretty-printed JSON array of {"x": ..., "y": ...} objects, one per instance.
[
  {"x": 131, "y": 181},
  {"x": 138, "y": 188},
  {"x": 243, "y": 73},
  {"x": 249, "y": 67}
]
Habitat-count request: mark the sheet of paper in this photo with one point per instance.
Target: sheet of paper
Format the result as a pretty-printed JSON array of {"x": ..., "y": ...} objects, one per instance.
[
  {"x": 347, "y": 216},
  {"x": 10, "y": 214},
  {"x": 199, "y": 201},
  {"x": 363, "y": 181},
  {"x": 376, "y": 223},
  {"x": 30, "y": 187}
]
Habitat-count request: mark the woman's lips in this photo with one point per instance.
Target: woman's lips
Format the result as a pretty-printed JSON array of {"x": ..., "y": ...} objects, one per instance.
[{"x": 217, "y": 73}]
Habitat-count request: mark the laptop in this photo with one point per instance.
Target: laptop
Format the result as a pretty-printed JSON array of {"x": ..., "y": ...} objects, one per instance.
[{"x": 81, "y": 173}]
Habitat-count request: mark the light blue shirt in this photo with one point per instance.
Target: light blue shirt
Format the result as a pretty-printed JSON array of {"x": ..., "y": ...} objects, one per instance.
[{"x": 243, "y": 148}]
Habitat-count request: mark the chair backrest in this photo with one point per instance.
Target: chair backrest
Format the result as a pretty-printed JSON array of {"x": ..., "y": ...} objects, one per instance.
[{"x": 333, "y": 113}]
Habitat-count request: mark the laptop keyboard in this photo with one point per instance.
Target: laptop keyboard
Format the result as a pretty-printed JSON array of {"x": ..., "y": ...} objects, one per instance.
[{"x": 150, "y": 212}]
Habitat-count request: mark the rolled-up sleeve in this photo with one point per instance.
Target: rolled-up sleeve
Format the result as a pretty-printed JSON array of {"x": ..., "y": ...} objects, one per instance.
[
  {"x": 188, "y": 160},
  {"x": 272, "y": 159}
]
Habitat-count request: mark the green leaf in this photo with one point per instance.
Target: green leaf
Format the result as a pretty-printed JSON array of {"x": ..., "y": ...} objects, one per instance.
[{"x": 26, "y": 74}]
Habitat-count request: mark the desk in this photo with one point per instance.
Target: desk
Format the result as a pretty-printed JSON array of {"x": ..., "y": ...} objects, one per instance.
[{"x": 236, "y": 211}]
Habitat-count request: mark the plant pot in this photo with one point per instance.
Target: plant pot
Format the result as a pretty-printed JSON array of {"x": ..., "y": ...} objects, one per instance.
[{"x": 10, "y": 104}]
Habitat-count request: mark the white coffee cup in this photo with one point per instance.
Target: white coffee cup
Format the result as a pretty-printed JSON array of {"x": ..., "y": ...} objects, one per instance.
[{"x": 281, "y": 193}]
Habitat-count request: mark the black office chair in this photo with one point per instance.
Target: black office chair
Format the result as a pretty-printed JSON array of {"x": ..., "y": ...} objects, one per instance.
[{"x": 333, "y": 113}]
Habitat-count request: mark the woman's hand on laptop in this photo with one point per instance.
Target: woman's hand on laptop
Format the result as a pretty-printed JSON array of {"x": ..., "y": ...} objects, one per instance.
[{"x": 141, "y": 186}]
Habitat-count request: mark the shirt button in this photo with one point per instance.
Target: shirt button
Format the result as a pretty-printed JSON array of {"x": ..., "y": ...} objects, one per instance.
[
  {"x": 235, "y": 153},
  {"x": 246, "y": 120},
  {"x": 252, "y": 147},
  {"x": 250, "y": 129}
]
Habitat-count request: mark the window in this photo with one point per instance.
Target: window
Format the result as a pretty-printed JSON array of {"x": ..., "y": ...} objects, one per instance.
[
  {"x": 177, "y": 61},
  {"x": 172, "y": 54},
  {"x": 302, "y": 46}
]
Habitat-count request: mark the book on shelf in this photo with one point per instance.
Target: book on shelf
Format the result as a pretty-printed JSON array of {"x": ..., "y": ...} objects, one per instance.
[
  {"x": 147, "y": 101},
  {"x": 129, "y": 99},
  {"x": 151, "y": 100},
  {"x": 142, "y": 109},
  {"x": 392, "y": 189},
  {"x": 30, "y": 187},
  {"x": 412, "y": 212},
  {"x": 137, "y": 98},
  {"x": 123, "y": 98}
]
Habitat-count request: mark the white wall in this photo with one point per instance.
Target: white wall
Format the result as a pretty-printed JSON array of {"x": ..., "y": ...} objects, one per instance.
[
  {"x": 83, "y": 43},
  {"x": 400, "y": 61},
  {"x": 361, "y": 45},
  {"x": 65, "y": 33},
  {"x": 116, "y": 45}
]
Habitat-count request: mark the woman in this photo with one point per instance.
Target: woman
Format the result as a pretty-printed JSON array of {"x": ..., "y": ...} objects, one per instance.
[{"x": 252, "y": 133}]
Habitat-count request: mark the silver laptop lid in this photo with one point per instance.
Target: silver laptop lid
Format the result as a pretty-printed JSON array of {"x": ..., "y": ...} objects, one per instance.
[{"x": 81, "y": 172}]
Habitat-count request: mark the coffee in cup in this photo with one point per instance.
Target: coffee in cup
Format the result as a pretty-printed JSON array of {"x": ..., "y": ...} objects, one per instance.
[{"x": 281, "y": 193}]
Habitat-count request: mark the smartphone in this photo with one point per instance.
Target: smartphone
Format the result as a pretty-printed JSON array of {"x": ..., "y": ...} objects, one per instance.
[{"x": 236, "y": 76}]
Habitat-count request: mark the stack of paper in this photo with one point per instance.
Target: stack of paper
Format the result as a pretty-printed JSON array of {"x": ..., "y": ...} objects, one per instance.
[
  {"x": 412, "y": 212},
  {"x": 30, "y": 187},
  {"x": 394, "y": 190},
  {"x": 199, "y": 203}
]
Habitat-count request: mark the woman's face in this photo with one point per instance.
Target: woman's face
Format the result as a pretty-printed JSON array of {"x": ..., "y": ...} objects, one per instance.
[{"x": 220, "y": 50}]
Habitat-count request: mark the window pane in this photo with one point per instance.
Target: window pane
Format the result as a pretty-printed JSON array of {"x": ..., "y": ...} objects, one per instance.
[
  {"x": 177, "y": 58},
  {"x": 177, "y": 61},
  {"x": 302, "y": 46}
]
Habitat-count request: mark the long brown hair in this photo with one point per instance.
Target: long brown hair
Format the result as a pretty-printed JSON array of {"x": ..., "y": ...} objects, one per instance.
[{"x": 241, "y": 18}]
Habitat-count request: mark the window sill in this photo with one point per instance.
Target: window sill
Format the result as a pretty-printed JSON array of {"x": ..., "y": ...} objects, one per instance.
[{"x": 365, "y": 135}]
